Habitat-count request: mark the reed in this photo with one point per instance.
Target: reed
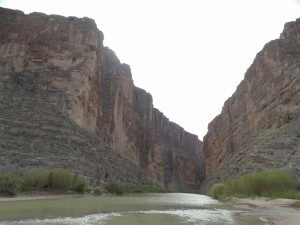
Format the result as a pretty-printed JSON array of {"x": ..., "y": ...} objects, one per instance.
[{"x": 272, "y": 184}]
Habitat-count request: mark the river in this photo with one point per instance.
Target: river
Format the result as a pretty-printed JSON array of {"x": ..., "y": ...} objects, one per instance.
[{"x": 132, "y": 209}]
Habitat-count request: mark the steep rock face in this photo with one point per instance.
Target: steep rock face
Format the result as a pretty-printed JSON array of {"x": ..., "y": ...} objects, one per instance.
[
  {"x": 35, "y": 135},
  {"x": 65, "y": 59},
  {"x": 266, "y": 102}
]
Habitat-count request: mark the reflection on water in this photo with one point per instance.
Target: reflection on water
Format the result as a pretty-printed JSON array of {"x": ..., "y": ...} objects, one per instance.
[{"x": 141, "y": 209}]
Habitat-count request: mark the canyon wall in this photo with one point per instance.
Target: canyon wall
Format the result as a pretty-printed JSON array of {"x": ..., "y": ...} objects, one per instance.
[
  {"x": 257, "y": 128},
  {"x": 53, "y": 66},
  {"x": 64, "y": 60}
]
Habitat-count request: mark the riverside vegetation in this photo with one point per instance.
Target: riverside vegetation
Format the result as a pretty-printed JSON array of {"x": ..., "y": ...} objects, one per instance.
[
  {"x": 271, "y": 184},
  {"x": 53, "y": 180},
  {"x": 62, "y": 180}
]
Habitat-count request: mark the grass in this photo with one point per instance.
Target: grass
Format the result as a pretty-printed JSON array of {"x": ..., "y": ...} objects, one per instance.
[
  {"x": 35, "y": 180},
  {"x": 271, "y": 184},
  {"x": 60, "y": 179},
  {"x": 53, "y": 180},
  {"x": 116, "y": 187},
  {"x": 63, "y": 180},
  {"x": 79, "y": 185},
  {"x": 10, "y": 184}
]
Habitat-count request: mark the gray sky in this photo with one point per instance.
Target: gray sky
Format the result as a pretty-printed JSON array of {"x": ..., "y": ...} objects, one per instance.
[{"x": 189, "y": 54}]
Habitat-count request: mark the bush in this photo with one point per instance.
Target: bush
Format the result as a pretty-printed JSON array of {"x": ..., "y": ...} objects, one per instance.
[
  {"x": 218, "y": 191},
  {"x": 98, "y": 191},
  {"x": 267, "y": 183},
  {"x": 79, "y": 185},
  {"x": 60, "y": 179},
  {"x": 10, "y": 184},
  {"x": 35, "y": 180},
  {"x": 116, "y": 187},
  {"x": 55, "y": 179},
  {"x": 274, "y": 183}
]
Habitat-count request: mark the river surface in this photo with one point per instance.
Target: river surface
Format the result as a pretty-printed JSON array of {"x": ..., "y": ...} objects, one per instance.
[{"x": 132, "y": 209}]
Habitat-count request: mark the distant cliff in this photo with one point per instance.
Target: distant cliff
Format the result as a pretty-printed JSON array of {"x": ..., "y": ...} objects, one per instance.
[
  {"x": 259, "y": 126},
  {"x": 64, "y": 61}
]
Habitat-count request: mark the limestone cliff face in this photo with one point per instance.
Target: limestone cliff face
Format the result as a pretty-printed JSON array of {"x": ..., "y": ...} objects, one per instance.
[
  {"x": 256, "y": 128},
  {"x": 66, "y": 60}
]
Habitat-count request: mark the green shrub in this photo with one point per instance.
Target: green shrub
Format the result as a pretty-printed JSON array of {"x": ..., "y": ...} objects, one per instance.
[
  {"x": 273, "y": 183},
  {"x": 218, "y": 191},
  {"x": 60, "y": 179},
  {"x": 98, "y": 191},
  {"x": 291, "y": 194},
  {"x": 10, "y": 184},
  {"x": 55, "y": 179},
  {"x": 267, "y": 183},
  {"x": 116, "y": 187},
  {"x": 79, "y": 185},
  {"x": 35, "y": 180}
]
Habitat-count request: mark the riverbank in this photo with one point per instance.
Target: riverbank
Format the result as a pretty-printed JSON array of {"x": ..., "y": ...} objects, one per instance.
[
  {"x": 271, "y": 212},
  {"x": 40, "y": 195}
]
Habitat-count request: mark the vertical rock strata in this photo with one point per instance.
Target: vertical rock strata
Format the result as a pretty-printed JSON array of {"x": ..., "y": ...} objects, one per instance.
[
  {"x": 256, "y": 128},
  {"x": 64, "y": 58}
]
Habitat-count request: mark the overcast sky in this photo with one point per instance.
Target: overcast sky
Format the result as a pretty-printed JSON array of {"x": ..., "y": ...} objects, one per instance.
[{"x": 189, "y": 54}]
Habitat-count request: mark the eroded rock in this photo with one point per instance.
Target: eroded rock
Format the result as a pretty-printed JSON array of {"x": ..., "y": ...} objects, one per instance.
[
  {"x": 266, "y": 101},
  {"x": 64, "y": 60}
]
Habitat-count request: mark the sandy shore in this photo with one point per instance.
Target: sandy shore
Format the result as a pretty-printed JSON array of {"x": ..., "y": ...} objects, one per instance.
[{"x": 272, "y": 212}]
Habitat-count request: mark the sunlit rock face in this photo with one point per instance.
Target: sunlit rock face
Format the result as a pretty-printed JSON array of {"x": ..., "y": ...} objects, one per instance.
[
  {"x": 65, "y": 60},
  {"x": 258, "y": 127}
]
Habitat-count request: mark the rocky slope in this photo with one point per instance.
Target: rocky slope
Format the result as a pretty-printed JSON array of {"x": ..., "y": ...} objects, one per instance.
[
  {"x": 62, "y": 62},
  {"x": 35, "y": 135},
  {"x": 258, "y": 127}
]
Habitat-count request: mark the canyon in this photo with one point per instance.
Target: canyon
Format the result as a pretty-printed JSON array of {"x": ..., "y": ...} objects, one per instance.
[
  {"x": 67, "y": 101},
  {"x": 62, "y": 62}
]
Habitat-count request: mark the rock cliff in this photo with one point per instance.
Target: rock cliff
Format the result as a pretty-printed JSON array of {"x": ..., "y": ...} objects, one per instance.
[
  {"x": 258, "y": 127},
  {"x": 35, "y": 135},
  {"x": 63, "y": 60},
  {"x": 67, "y": 101}
]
